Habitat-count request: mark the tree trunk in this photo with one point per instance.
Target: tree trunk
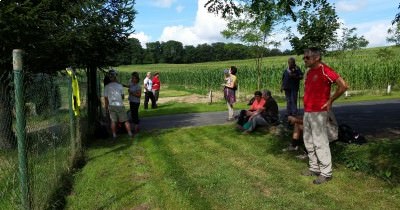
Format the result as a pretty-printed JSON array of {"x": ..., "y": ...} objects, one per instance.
[
  {"x": 93, "y": 100},
  {"x": 7, "y": 136}
]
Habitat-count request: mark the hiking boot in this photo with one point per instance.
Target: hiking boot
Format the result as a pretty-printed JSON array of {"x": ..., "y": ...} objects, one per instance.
[
  {"x": 310, "y": 173},
  {"x": 322, "y": 179},
  {"x": 290, "y": 148}
]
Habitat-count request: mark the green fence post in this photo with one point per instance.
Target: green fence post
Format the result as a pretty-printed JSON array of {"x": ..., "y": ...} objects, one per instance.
[
  {"x": 20, "y": 127},
  {"x": 72, "y": 118}
]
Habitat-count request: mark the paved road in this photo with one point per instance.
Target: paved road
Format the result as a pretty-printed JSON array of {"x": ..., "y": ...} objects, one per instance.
[{"x": 380, "y": 119}]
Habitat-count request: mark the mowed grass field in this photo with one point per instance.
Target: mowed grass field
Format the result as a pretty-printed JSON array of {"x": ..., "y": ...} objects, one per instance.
[{"x": 215, "y": 167}]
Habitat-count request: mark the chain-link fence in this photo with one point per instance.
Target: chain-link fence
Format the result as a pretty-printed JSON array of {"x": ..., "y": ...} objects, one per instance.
[{"x": 53, "y": 137}]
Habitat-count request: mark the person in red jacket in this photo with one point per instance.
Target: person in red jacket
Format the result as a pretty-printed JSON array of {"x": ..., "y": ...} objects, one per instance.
[{"x": 156, "y": 85}]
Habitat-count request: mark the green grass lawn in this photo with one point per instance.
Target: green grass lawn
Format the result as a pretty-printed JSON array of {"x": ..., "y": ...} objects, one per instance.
[{"x": 215, "y": 167}]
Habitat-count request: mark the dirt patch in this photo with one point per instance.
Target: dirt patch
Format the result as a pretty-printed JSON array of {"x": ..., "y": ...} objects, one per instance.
[{"x": 194, "y": 98}]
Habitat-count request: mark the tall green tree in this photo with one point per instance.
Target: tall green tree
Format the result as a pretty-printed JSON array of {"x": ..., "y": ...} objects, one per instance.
[
  {"x": 172, "y": 52},
  {"x": 397, "y": 18},
  {"x": 189, "y": 54},
  {"x": 40, "y": 28},
  {"x": 102, "y": 29},
  {"x": 317, "y": 27},
  {"x": 350, "y": 40},
  {"x": 255, "y": 29},
  {"x": 58, "y": 33},
  {"x": 132, "y": 53},
  {"x": 394, "y": 34},
  {"x": 153, "y": 52}
]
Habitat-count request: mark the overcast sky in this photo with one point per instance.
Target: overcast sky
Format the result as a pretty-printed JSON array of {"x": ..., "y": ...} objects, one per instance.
[{"x": 187, "y": 21}]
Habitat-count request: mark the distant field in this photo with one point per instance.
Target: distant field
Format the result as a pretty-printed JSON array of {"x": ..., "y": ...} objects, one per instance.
[{"x": 366, "y": 69}]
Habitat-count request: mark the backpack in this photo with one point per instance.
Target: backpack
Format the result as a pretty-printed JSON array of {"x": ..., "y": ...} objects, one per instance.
[{"x": 348, "y": 135}]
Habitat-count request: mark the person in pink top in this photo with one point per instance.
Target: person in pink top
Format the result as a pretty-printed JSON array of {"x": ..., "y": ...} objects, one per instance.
[
  {"x": 258, "y": 103},
  {"x": 317, "y": 103},
  {"x": 156, "y": 85}
]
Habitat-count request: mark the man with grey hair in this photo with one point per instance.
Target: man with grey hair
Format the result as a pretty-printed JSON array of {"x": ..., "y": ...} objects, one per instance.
[
  {"x": 290, "y": 84},
  {"x": 267, "y": 115},
  {"x": 317, "y": 103}
]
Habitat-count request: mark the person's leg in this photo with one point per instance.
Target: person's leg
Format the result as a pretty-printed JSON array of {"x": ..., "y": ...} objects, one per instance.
[
  {"x": 288, "y": 103},
  {"x": 114, "y": 118},
  {"x": 135, "y": 116},
  {"x": 309, "y": 142},
  {"x": 156, "y": 94},
  {"x": 230, "y": 111},
  {"x": 128, "y": 128},
  {"x": 153, "y": 100},
  {"x": 255, "y": 121},
  {"x": 321, "y": 143},
  {"x": 146, "y": 99},
  {"x": 294, "y": 94},
  {"x": 114, "y": 129}
]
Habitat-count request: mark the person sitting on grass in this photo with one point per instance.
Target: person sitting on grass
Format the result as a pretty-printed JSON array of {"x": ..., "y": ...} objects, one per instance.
[
  {"x": 267, "y": 115},
  {"x": 258, "y": 103},
  {"x": 297, "y": 122}
]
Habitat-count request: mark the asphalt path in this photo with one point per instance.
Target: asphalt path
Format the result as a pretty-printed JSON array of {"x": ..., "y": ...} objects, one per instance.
[{"x": 379, "y": 119}]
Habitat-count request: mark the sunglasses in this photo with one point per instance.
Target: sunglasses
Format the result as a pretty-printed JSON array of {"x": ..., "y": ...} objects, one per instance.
[{"x": 306, "y": 57}]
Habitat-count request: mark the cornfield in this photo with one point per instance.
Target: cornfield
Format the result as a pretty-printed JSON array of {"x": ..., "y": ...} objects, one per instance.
[{"x": 364, "y": 72}]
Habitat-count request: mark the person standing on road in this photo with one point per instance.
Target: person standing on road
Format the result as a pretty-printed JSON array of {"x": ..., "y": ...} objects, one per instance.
[
  {"x": 148, "y": 92},
  {"x": 114, "y": 106},
  {"x": 290, "y": 84},
  {"x": 156, "y": 85},
  {"x": 135, "y": 92},
  {"x": 317, "y": 103},
  {"x": 230, "y": 88}
]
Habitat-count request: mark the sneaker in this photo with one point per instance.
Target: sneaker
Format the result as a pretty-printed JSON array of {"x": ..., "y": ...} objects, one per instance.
[
  {"x": 302, "y": 156},
  {"x": 309, "y": 173},
  {"x": 290, "y": 148},
  {"x": 322, "y": 179}
]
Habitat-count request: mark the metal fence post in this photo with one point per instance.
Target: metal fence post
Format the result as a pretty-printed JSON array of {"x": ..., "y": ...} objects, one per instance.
[{"x": 20, "y": 127}]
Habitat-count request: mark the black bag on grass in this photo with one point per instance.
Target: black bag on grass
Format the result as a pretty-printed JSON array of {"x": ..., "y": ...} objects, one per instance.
[{"x": 348, "y": 135}]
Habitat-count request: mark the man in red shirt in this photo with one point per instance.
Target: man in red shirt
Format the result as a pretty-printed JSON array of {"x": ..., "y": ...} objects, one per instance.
[
  {"x": 156, "y": 85},
  {"x": 317, "y": 103}
]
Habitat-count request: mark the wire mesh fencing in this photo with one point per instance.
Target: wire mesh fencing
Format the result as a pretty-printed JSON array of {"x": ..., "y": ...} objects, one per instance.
[{"x": 53, "y": 137}]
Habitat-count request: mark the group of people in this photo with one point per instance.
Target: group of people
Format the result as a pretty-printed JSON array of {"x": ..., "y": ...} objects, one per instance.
[
  {"x": 313, "y": 126},
  {"x": 114, "y": 96}
]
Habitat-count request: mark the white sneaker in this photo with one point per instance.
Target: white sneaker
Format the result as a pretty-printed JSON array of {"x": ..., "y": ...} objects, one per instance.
[{"x": 290, "y": 148}]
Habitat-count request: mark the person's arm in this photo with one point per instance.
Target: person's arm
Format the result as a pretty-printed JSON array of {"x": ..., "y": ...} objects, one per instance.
[{"x": 341, "y": 88}]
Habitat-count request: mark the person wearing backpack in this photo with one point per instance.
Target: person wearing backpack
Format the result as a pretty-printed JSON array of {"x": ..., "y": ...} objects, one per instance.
[{"x": 317, "y": 103}]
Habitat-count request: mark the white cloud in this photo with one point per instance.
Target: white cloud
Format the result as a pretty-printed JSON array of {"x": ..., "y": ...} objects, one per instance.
[
  {"x": 206, "y": 29},
  {"x": 142, "y": 37},
  {"x": 375, "y": 32},
  {"x": 351, "y": 6},
  {"x": 162, "y": 3},
  {"x": 179, "y": 8}
]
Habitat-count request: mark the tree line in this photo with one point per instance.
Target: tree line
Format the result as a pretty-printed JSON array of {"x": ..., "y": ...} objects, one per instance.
[{"x": 175, "y": 52}]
